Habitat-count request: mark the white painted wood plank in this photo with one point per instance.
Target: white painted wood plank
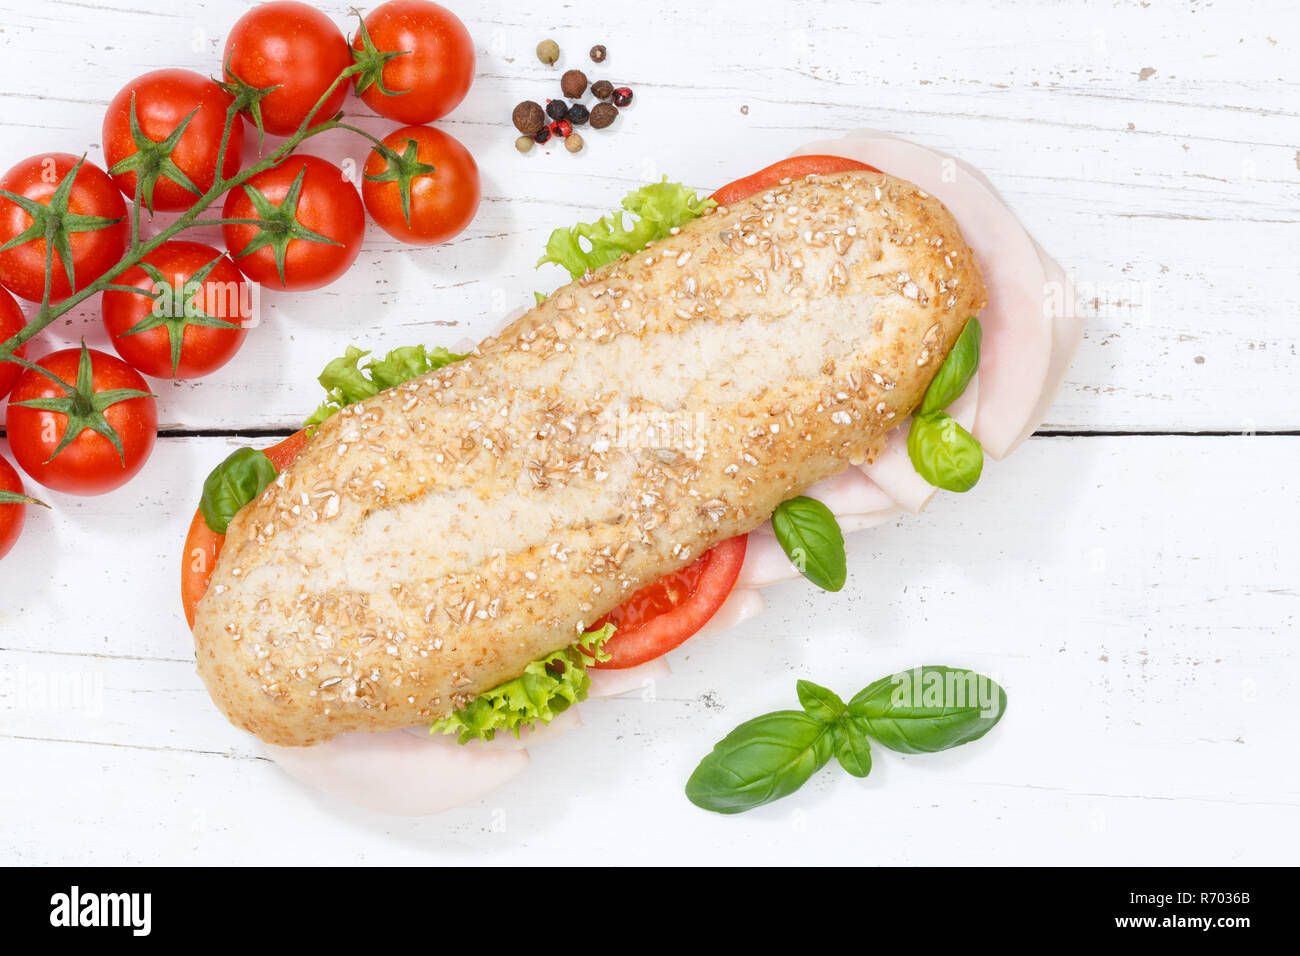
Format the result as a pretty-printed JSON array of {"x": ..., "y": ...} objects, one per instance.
[
  {"x": 1136, "y": 597},
  {"x": 1154, "y": 149}
]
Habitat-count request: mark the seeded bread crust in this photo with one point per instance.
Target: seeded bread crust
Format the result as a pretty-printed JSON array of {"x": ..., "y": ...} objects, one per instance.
[{"x": 430, "y": 542}]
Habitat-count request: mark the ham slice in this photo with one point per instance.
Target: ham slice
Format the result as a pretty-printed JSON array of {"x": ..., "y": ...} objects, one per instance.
[
  {"x": 1017, "y": 339},
  {"x": 765, "y": 561},
  {"x": 851, "y": 492},
  {"x": 1062, "y": 310},
  {"x": 740, "y": 605},
  {"x": 400, "y": 773},
  {"x": 611, "y": 683}
]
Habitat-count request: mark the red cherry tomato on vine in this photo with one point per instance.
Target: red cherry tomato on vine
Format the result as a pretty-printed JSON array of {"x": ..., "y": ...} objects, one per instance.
[
  {"x": 179, "y": 326},
  {"x": 13, "y": 513},
  {"x": 662, "y": 615},
  {"x": 11, "y": 323},
  {"x": 163, "y": 100},
  {"x": 295, "y": 48},
  {"x": 442, "y": 201},
  {"x": 88, "y": 464},
  {"x": 80, "y": 210},
  {"x": 314, "y": 224},
  {"x": 434, "y": 73}
]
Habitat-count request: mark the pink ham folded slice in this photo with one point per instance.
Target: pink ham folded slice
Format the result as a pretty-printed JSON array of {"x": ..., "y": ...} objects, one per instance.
[{"x": 398, "y": 772}]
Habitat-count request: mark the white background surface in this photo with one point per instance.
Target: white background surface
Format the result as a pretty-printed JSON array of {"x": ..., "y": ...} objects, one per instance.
[{"x": 1131, "y": 578}]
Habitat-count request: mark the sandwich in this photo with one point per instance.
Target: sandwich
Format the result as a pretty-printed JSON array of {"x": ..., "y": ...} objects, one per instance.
[{"x": 457, "y": 550}]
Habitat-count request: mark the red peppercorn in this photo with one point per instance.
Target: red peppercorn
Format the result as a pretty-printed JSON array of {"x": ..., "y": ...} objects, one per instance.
[
  {"x": 543, "y": 134},
  {"x": 561, "y": 128},
  {"x": 622, "y": 96}
]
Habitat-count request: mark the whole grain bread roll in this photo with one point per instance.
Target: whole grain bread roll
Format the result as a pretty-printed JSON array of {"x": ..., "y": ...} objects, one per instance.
[{"x": 433, "y": 540}]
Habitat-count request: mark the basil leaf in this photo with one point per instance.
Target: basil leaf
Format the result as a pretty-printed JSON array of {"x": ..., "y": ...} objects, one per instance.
[
  {"x": 852, "y": 748},
  {"x": 762, "y": 760},
  {"x": 820, "y": 703},
  {"x": 956, "y": 371},
  {"x": 944, "y": 453},
  {"x": 928, "y": 709},
  {"x": 232, "y": 484},
  {"x": 812, "y": 540}
]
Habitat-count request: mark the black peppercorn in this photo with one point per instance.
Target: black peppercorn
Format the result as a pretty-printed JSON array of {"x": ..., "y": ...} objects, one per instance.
[
  {"x": 573, "y": 83},
  {"x": 578, "y": 114},
  {"x": 602, "y": 89},
  {"x": 557, "y": 109},
  {"x": 528, "y": 117},
  {"x": 603, "y": 114},
  {"x": 598, "y": 54},
  {"x": 622, "y": 96}
]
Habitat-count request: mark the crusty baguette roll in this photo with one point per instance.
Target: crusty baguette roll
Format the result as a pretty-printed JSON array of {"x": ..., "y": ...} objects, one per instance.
[{"x": 432, "y": 541}]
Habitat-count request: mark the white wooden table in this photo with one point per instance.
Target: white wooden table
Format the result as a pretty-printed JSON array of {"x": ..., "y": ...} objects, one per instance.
[{"x": 1132, "y": 576}]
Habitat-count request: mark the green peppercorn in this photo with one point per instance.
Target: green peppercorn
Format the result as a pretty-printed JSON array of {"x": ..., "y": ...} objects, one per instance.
[
  {"x": 573, "y": 142},
  {"x": 548, "y": 51},
  {"x": 524, "y": 144}
]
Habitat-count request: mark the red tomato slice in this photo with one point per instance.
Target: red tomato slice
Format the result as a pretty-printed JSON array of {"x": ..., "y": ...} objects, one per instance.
[
  {"x": 796, "y": 167},
  {"x": 202, "y": 544},
  {"x": 662, "y": 615}
]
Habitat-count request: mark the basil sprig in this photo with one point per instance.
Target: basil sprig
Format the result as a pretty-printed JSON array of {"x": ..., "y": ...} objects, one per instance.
[
  {"x": 924, "y": 710},
  {"x": 942, "y": 452},
  {"x": 232, "y": 484},
  {"x": 811, "y": 538}
]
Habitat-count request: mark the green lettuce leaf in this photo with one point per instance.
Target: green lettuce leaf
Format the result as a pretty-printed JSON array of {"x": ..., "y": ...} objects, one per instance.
[
  {"x": 655, "y": 211},
  {"x": 546, "y": 689},
  {"x": 346, "y": 380}
]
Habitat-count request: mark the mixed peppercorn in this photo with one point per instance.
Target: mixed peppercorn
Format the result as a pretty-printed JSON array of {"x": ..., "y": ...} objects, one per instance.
[{"x": 558, "y": 118}]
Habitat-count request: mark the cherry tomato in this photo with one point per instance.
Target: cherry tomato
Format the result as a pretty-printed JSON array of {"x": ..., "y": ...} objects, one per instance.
[
  {"x": 298, "y": 50},
  {"x": 13, "y": 514},
  {"x": 163, "y": 100},
  {"x": 44, "y": 180},
  {"x": 202, "y": 544},
  {"x": 442, "y": 202},
  {"x": 89, "y": 464},
  {"x": 434, "y": 73},
  {"x": 11, "y": 322},
  {"x": 662, "y": 615},
  {"x": 796, "y": 167},
  {"x": 305, "y": 197},
  {"x": 180, "y": 335}
]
